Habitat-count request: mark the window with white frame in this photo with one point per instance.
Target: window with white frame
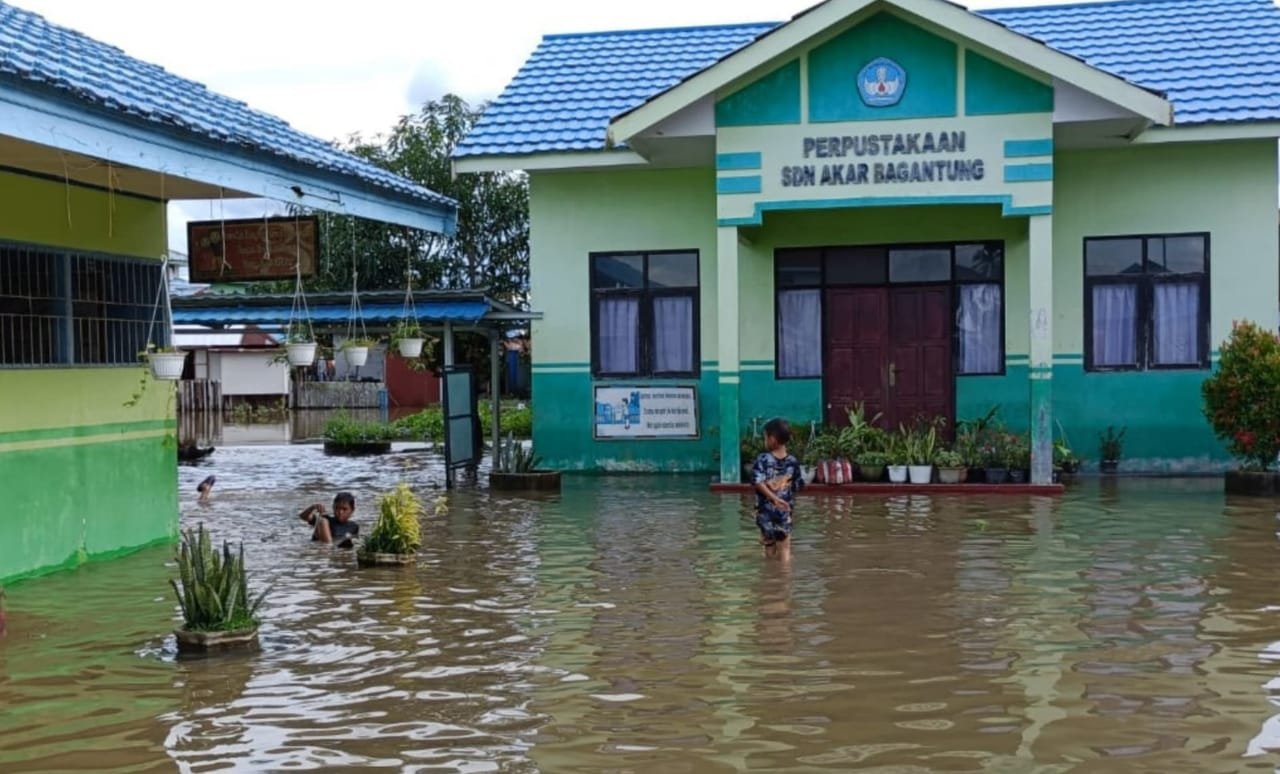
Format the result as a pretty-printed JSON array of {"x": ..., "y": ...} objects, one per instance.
[
  {"x": 644, "y": 314},
  {"x": 1146, "y": 302}
]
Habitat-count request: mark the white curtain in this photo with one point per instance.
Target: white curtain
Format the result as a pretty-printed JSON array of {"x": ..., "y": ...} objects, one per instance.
[
  {"x": 978, "y": 319},
  {"x": 800, "y": 333},
  {"x": 619, "y": 333},
  {"x": 673, "y": 334},
  {"x": 1177, "y": 323},
  {"x": 1115, "y": 330}
]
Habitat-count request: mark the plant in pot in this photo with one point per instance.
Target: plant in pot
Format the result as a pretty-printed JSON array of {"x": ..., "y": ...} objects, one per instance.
[
  {"x": 994, "y": 457},
  {"x": 872, "y": 465},
  {"x": 818, "y": 449},
  {"x": 1242, "y": 404},
  {"x": 923, "y": 447},
  {"x": 396, "y": 535},
  {"x": 344, "y": 436},
  {"x": 1110, "y": 449},
  {"x": 516, "y": 470},
  {"x": 166, "y": 363},
  {"x": 951, "y": 467},
  {"x": 356, "y": 351},
  {"x": 899, "y": 451},
  {"x": 1018, "y": 458},
  {"x": 408, "y": 339},
  {"x": 300, "y": 346},
  {"x": 213, "y": 594},
  {"x": 749, "y": 448}
]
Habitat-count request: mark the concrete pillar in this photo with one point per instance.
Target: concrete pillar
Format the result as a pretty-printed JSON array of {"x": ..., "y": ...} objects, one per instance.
[
  {"x": 448, "y": 343},
  {"x": 495, "y": 391},
  {"x": 727, "y": 352},
  {"x": 1041, "y": 297}
]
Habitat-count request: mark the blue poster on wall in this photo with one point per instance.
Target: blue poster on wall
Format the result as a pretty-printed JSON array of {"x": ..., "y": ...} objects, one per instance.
[{"x": 646, "y": 412}]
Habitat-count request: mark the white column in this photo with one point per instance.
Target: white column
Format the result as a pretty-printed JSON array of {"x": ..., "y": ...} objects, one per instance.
[
  {"x": 1041, "y": 298},
  {"x": 448, "y": 343},
  {"x": 727, "y": 351}
]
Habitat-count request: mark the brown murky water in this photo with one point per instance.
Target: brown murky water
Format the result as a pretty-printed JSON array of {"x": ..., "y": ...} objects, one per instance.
[{"x": 631, "y": 625}]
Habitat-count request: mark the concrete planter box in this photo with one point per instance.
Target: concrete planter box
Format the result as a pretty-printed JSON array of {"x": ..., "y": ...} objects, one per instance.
[
  {"x": 1251, "y": 483},
  {"x": 538, "y": 481},
  {"x": 204, "y": 643},
  {"x": 385, "y": 560},
  {"x": 356, "y": 449}
]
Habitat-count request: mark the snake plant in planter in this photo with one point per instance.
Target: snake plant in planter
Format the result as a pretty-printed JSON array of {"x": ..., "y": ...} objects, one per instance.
[
  {"x": 213, "y": 593},
  {"x": 396, "y": 535},
  {"x": 516, "y": 470}
]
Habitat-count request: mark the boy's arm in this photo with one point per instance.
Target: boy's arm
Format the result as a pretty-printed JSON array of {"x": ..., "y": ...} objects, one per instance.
[
  {"x": 309, "y": 513},
  {"x": 758, "y": 477}
]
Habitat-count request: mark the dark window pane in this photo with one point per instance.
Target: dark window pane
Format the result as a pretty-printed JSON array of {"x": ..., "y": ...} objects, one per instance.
[
  {"x": 855, "y": 265},
  {"x": 673, "y": 270},
  {"x": 798, "y": 267},
  {"x": 1184, "y": 254},
  {"x": 979, "y": 262},
  {"x": 1106, "y": 257},
  {"x": 617, "y": 271},
  {"x": 920, "y": 265}
]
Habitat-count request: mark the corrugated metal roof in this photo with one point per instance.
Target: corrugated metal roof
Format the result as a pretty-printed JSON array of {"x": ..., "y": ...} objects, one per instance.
[
  {"x": 1217, "y": 60},
  {"x": 39, "y": 54},
  {"x": 374, "y": 314}
]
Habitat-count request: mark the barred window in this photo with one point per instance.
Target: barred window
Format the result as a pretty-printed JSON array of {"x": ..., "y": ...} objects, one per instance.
[{"x": 61, "y": 308}]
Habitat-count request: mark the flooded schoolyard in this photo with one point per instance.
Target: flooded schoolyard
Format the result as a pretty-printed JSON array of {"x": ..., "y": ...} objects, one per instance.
[{"x": 630, "y": 624}]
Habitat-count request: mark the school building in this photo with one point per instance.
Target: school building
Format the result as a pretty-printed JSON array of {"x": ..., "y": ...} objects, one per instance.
[
  {"x": 1056, "y": 209},
  {"x": 93, "y": 146}
]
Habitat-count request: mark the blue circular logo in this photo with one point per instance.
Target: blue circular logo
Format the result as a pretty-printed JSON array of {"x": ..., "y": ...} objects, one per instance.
[{"x": 882, "y": 82}]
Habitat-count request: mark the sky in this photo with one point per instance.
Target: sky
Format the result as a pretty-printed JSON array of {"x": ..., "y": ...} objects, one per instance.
[{"x": 334, "y": 69}]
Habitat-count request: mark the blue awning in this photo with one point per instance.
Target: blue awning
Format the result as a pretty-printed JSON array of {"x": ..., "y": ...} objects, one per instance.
[{"x": 469, "y": 311}]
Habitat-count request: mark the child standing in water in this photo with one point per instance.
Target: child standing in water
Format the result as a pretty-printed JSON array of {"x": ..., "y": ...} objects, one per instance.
[
  {"x": 337, "y": 529},
  {"x": 776, "y": 477}
]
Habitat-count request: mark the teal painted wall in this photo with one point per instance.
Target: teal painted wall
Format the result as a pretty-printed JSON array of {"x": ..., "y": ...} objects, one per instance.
[
  {"x": 930, "y": 62},
  {"x": 993, "y": 89},
  {"x": 774, "y": 99}
]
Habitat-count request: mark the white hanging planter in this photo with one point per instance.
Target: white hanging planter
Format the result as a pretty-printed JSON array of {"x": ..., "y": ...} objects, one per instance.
[
  {"x": 167, "y": 365},
  {"x": 411, "y": 348},
  {"x": 356, "y": 356},
  {"x": 301, "y": 354}
]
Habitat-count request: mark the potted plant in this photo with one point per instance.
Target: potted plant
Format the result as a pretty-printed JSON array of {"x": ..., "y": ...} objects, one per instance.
[
  {"x": 1065, "y": 462},
  {"x": 951, "y": 467},
  {"x": 922, "y": 448},
  {"x": 516, "y": 470},
  {"x": 213, "y": 594},
  {"x": 1242, "y": 404},
  {"x": 396, "y": 535},
  {"x": 749, "y": 448},
  {"x": 899, "y": 451},
  {"x": 300, "y": 347},
  {"x": 408, "y": 339},
  {"x": 347, "y": 437},
  {"x": 1110, "y": 449},
  {"x": 816, "y": 450},
  {"x": 1018, "y": 458},
  {"x": 356, "y": 351},
  {"x": 994, "y": 456},
  {"x": 972, "y": 437},
  {"x": 872, "y": 465},
  {"x": 166, "y": 363}
]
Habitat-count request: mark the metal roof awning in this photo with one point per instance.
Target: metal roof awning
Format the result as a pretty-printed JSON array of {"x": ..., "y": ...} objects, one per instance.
[{"x": 381, "y": 309}]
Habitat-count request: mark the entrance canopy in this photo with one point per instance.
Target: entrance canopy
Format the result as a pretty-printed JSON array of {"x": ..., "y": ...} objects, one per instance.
[{"x": 80, "y": 111}]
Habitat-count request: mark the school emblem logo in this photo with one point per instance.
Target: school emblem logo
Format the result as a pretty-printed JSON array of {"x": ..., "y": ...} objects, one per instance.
[{"x": 882, "y": 82}]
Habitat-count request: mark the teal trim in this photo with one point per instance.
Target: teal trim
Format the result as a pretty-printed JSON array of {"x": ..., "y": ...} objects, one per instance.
[
  {"x": 749, "y": 184},
  {"x": 726, "y": 162},
  {"x": 929, "y": 61},
  {"x": 1028, "y": 173},
  {"x": 1005, "y": 200},
  {"x": 772, "y": 100},
  {"x": 1014, "y": 149},
  {"x": 992, "y": 89}
]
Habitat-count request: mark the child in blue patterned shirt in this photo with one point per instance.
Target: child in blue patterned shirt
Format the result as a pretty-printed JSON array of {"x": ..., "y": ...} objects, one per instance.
[{"x": 776, "y": 477}]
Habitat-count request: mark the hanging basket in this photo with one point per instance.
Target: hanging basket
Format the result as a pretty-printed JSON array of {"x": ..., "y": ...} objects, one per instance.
[
  {"x": 301, "y": 354},
  {"x": 411, "y": 348},
  {"x": 356, "y": 356},
  {"x": 167, "y": 365}
]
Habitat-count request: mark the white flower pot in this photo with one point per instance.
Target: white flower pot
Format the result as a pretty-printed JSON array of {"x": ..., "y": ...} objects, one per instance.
[
  {"x": 167, "y": 365},
  {"x": 897, "y": 474},
  {"x": 301, "y": 353},
  {"x": 411, "y": 348},
  {"x": 921, "y": 474},
  {"x": 357, "y": 356},
  {"x": 808, "y": 473}
]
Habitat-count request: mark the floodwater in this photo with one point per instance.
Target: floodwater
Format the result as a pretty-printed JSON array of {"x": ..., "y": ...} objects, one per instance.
[{"x": 631, "y": 625}]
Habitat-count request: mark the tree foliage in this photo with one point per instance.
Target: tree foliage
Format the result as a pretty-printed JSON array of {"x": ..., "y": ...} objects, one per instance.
[{"x": 1242, "y": 399}]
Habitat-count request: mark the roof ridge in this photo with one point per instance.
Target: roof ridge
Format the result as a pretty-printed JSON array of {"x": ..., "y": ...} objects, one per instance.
[
  {"x": 1102, "y": 4},
  {"x": 657, "y": 30}
]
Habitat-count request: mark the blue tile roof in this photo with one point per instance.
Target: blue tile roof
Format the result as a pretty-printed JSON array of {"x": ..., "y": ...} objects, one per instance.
[
  {"x": 39, "y": 55},
  {"x": 1218, "y": 61}
]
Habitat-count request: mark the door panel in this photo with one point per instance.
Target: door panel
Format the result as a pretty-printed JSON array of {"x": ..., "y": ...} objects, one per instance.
[
  {"x": 921, "y": 335},
  {"x": 857, "y": 348}
]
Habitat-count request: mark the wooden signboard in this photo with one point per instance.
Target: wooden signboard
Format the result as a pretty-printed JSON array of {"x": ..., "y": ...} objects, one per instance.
[{"x": 252, "y": 250}]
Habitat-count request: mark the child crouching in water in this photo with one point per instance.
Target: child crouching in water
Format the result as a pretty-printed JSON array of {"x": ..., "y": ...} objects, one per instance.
[
  {"x": 337, "y": 529},
  {"x": 776, "y": 477}
]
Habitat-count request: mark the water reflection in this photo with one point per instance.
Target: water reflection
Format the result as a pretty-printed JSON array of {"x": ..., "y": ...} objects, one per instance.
[{"x": 631, "y": 624}]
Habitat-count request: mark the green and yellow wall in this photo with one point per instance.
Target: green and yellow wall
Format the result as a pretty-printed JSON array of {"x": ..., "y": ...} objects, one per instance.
[{"x": 84, "y": 476}]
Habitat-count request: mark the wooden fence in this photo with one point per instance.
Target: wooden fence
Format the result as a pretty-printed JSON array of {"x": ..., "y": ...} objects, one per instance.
[
  {"x": 199, "y": 395},
  {"x": 338, "y": 395}
]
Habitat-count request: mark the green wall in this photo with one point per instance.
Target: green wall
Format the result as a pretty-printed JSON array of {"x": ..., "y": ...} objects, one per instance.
[{"x": 85, "y": 476}]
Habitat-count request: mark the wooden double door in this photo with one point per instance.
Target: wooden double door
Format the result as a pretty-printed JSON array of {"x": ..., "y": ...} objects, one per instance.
[{"x": 889, "y": 348}]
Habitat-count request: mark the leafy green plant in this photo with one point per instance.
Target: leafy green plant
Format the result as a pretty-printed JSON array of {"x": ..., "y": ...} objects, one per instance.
[
  {"x": 949, "y": 459},
  {"x": 823, "y": 446},
  {"x": 916, "y": 446},
  {"x": 515, "y": 458},
  {"x": 213, "y": 589},
  {"x": 1111, "y": 444},
  {"x": 342, "y": 429},
  {"x": 1017, "y": 452},
  {"x": 357, "y": 343},
  {"x": 750, "y": 447},
  {"x": 397, "y": 530},
  {"x": 406, "y": 329},
  {"x": 874, "y": 459},
  {"x": 1242, "y": 398}
]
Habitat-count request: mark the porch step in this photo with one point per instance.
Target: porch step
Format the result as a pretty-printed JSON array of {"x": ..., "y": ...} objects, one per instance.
[{"x": 910, "y": 489}]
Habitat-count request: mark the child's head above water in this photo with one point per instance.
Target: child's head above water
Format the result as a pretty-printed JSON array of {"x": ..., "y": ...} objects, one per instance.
[
  {"x": 344, "y": 504},
  {"x": 777, "y": 433}
]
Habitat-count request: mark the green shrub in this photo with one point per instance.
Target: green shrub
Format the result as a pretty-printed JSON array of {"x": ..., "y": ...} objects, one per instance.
[
  {"x": 397, "y": 530},
  {"x": 514, "y": 458},
  {"x": 342, "y": 429},
  {"x": 428, "y": 424},
  {"x": 214, "y": 589},
  {"x": 1242, "y": 399}
]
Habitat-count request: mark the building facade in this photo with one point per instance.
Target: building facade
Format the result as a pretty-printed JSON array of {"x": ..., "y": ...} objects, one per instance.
[{"x": 901, "y": 204}]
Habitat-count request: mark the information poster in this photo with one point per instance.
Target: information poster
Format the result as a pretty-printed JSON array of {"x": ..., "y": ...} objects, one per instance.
[{"x": 646, "y": 412}]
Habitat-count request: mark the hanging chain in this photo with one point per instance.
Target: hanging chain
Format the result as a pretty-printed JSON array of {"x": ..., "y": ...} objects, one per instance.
[
  {"x": 356, "y": 315},
  {"x": 410, "y": 311},
  {"x": 299, "y": 311}
]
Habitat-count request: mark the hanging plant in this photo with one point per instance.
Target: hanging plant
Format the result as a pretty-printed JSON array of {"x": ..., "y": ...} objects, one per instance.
[
  {"x": 408, "y": 337},
  {"x": 167, "y": 363}
]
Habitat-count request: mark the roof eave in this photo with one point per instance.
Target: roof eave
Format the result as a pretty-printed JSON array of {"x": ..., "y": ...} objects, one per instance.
[{"x": 546, "y": 161}]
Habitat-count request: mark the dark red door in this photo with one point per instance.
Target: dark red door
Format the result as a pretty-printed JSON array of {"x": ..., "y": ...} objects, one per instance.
[
  {"x": 920, "y": 373},
  {"x": 855, "y": 369}
]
